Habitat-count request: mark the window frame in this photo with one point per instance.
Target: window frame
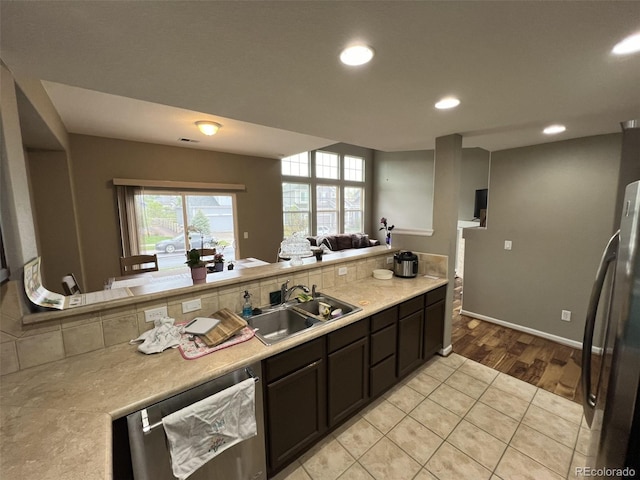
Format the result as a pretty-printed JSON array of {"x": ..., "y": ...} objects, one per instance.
[
  {"x": 128, "y": 213},
  {"x": 313, "y": 181}
]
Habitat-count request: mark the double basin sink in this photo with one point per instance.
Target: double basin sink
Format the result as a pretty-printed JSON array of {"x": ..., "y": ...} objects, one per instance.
[{"x": 284, "y": 321}]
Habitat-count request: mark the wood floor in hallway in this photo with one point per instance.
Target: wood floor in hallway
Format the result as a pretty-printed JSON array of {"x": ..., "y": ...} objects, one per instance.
[{"x": 540, "y": 362}]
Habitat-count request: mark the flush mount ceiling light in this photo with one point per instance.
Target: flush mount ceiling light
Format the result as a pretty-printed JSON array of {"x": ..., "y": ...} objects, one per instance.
[
  {"x": 631, "y": 44},
  {"x": 207, "y": 127},
  {"x": 356, "y": 55},
  {"x": 553, "y": 129},
  {"x": 447, "y": 102}
]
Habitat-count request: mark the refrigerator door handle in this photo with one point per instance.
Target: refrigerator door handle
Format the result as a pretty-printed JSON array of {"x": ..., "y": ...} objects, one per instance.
[{"x": 589, "y": 399}]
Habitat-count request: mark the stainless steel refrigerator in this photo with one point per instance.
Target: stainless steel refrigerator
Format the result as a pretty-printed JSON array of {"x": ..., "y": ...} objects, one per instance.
[{"x": 611, "y": 398}]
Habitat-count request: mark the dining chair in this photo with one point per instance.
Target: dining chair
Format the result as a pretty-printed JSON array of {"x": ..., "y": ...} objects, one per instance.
[
  {"x": 206, "y": 254},
  {"x": 70, "y": 284},
  {"x": 138, "y": 264}
]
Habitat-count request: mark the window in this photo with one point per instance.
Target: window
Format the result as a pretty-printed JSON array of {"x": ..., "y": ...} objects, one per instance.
[
  {"x": 296, "y": 165},
  {"x": 353, "y": 168},
  {"x": 327, "y": 209},
  {"x": 337, "y": 204},
  {"x": 296, "y": 207},
  {"x": 327, "y": 165},
  {"x": 353, "y": 209},
  {"x": 169, "y": 223}
]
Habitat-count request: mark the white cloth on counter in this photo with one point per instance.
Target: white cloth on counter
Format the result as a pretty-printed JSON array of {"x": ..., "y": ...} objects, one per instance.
[
  {"x": 201, "y": 431},
  {"x": 164, "y": 335}
]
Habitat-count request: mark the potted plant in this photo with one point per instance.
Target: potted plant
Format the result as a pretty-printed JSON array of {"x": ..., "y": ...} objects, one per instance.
[
  {"x": 218, "y": 262},
  {"x": 197, "y": 266}
]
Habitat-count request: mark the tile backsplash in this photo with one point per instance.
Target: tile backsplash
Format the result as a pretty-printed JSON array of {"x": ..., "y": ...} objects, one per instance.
[{"x": 24, "y": 346}]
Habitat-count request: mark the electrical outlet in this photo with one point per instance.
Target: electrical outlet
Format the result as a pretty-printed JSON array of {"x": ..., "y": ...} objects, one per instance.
[
  {"x": 389, "y": 260},
  {"x": 342, "y": 271},
  {"x": 566, "y": 315},
  {"x": 507, "y": 244},
  {"x": 155, "y": 314},
  {"x": 191, "y": 305},
  {"x": 246, "y": 235}
]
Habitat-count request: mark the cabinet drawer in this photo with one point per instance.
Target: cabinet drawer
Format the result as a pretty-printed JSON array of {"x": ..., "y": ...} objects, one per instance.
[
  {"x": 294, "y": 359},
  {"x": 436, "y": 295},
  {"x": 346, "y": 335},
  {"x": 411, "y": 306},
  {"x": 382, "y": 376},
  {"x": 383, "y": 343},
  {"x": 384, "y": 318}
]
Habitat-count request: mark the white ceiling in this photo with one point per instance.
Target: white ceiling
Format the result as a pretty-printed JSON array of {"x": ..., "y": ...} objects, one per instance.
[{"x": 269, "y": 71}]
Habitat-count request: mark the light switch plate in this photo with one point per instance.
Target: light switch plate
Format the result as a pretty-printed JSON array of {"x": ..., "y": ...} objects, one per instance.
[
  {"x": 191, "y": 305},
  {"x": 507, "y": 244},
  {"x": 342, "y": 271}
]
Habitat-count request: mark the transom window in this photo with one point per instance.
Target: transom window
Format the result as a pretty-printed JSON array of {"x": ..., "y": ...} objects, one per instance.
[
  {"x": 337, "y": 204},
  {"x": 327, "y": 165}
]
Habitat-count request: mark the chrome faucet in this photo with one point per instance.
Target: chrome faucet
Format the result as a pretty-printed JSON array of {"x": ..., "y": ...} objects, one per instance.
[{"x": 286, "y": 292}]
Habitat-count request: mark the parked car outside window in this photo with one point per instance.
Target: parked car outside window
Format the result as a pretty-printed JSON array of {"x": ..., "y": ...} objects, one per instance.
[{"x": 177, "y": 242}]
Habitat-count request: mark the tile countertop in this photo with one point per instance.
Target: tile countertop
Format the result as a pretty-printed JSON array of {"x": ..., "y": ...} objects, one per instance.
[{"x": 56, "y": 418}]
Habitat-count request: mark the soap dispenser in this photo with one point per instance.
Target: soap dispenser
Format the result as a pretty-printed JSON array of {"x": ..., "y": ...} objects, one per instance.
[{"x": 246, "y": 308}]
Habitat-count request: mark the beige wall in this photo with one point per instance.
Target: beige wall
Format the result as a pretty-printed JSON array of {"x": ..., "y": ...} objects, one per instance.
[
  {"x": 17, "y": 212},
  {"x": 436, "y": 177},
  {"x": 404, "y": 189},
  {"x": 556, "y": 203},
  {"x": 474, "y": 176},
  {"x": 55, "y": 219},
  {"x": 95, "y": 161}
]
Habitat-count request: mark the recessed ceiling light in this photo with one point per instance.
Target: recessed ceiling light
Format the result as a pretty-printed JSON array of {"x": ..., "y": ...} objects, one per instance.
[
  {"x": 553, "y": 129},
  {"x": 356, "y": 55},
  {"x": 631, "y": 44},
  {"x": 447, "y": 102},
  {"x": 207, "y": 127}
]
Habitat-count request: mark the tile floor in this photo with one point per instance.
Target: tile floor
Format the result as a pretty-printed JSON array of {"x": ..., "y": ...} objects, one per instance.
[{"x": 453, "y": 419}]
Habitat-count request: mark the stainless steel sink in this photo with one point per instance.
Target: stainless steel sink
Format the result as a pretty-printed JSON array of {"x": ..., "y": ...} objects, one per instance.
[
  {"x": 285, "y": 321},
  {"x": 313, "y": 306}
]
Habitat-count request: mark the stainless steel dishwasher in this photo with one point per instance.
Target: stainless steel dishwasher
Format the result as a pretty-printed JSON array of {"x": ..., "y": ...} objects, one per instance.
[{"x": 149, "y": 451}]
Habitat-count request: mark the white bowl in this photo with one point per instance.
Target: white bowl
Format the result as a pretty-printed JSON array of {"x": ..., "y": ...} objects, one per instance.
[{"x": 382, "y": 274}]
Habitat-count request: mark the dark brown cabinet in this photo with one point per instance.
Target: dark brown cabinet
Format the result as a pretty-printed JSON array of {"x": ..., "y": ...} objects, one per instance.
[
  {"x": 434, "y": 316},
  {"x": 295, "y": 403},
  {"x": 314, "y": 387},
  {"x": 347, "y": 371},
  {"x": 410, "y": 335},
  {"x": 382, "y": 372}
]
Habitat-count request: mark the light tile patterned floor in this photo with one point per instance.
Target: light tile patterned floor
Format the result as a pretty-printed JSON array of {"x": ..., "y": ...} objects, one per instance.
[{"x": 453, "y": 419}]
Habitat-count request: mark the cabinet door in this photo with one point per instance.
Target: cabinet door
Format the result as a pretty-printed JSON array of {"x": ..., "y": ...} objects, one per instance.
[
  {"x": 383, "y": 376},
  {"x": 410, "y": 334},
  {"x": 434, "y": 328},
  {"x": 348, "y": 377},
  {"x": 383, "y": 344},
  {"x": 296, "y": 413}
]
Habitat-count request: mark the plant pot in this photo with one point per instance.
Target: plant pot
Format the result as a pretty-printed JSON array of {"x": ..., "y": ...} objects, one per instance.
[
  {"x": 217, "y": 267},
  {"x": 230, "y": 266},
  {"x": 199, "y": 274}
]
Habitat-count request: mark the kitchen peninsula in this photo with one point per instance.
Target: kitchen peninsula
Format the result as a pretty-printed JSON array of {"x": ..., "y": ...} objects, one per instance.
[{"x": 57, "y": 416}]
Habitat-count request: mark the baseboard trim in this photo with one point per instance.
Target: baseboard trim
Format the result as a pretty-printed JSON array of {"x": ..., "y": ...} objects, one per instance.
[
  {"x": 531, "y": 331},
  {"x": 446, "y": 351}
]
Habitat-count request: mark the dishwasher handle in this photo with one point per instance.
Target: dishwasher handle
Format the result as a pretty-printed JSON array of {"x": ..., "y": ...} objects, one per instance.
[{"x": 144, "y": 416}]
